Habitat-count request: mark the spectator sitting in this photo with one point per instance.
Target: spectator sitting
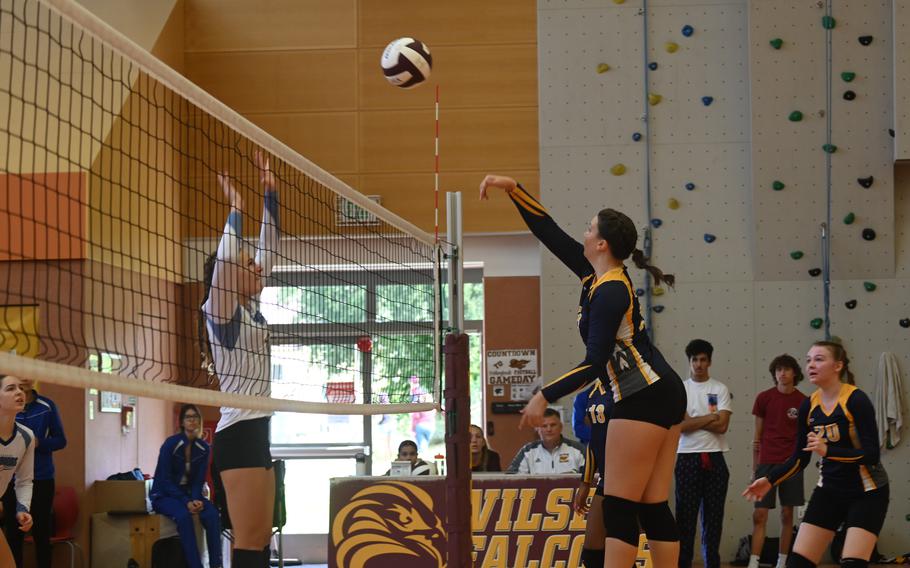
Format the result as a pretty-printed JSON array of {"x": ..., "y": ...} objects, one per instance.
[
  {"x": 407, "y": 451},
  {"x": 482, "y": 457},
  {"x": 552, "y": 453}
]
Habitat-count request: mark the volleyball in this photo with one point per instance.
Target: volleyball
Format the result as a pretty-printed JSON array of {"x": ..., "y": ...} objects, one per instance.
[{"x": 406, "y": 62}]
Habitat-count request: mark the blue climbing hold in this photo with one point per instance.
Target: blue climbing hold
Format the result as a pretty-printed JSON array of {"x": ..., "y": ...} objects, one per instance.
[
  {"x": 690, "y": 186},
  {"x": 707, "y": 101},
  {"x": 639, "y": 292},
  {"x": 709, "y": 238},
  {"x": 656, "y": 223},
  {"x": 658, "y": 308},
  {"x": 636, "y": 136},
  {"x": 652, "y": 66},
  {"x": 688, "y": 30}
]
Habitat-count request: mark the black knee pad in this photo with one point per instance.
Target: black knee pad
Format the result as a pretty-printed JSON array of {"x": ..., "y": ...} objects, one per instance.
[
  {"x": 244, "y": 558},
  {"x": 621, "y": 519},
  {"x": 591, "y": 558},
  {"x": 797, "y": 560},
  {"x": 853, "y": 563},
  {"x": 657, "y": 521}
]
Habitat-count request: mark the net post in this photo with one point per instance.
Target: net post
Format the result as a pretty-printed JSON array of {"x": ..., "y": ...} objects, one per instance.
[
  {"x": 458, "y": 459},
  {"x": 456, "y": 268}
]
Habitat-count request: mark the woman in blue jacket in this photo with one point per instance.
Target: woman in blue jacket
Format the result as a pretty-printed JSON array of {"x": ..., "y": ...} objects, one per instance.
[
  {"x": 41, "y": 416},
  {"x": 177, "y": 488}
]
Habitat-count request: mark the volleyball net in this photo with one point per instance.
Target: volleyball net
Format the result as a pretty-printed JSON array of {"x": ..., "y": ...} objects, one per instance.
[{"x": 111, "y": 205}]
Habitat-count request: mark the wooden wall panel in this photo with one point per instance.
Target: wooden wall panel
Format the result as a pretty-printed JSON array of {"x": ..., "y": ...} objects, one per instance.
[
  {"x": 240, "y": 25},
  {"x": 471, "y": 139},
  {"x": 468, "y": 75},
  {"x": 448, "y": 23},
  {"x": 287, "y": 81},
  {"x": 43, "y": 216},
  {"x": 328, "y": 139}
]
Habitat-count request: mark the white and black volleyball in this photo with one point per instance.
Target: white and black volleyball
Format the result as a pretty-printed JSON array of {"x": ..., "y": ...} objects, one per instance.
[{"x": 406, "y": 62}]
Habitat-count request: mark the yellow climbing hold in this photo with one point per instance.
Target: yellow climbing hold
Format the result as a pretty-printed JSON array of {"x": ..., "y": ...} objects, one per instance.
[
  {"x": 673, "y": 203},
  {"x": 618, "y": 170},
  {"x": 654, "y": 99},
  {"x": 619, "y": 1},
  {"x": 602, "y": 67},
  {"x": 657, "y": 291},
  {"x": 671, "y": 46}
]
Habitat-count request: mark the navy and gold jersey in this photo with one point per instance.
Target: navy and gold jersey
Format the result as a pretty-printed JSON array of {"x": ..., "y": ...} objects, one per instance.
[
  {"x": 852, "y": 462},
  {"x": 609, "y": 316},
  {"x": 598, "y": 410}
]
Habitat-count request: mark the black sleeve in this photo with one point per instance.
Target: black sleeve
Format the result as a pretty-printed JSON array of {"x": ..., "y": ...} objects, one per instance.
[
  {"x": 800, "y": 458},
  {"x": 557, "y": 241},
  {"x": 609, "y": 303},
  {"x": 863, "y": 413}
]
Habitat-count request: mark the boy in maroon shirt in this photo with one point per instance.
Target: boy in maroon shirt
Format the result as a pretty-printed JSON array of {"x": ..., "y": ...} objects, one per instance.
[{"x": 775, "y": 412}]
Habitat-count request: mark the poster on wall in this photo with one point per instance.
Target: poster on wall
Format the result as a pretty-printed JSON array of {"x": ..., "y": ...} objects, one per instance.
[
  {"x": 111, "y": 401},
  {"x": 512, "y": 367}
]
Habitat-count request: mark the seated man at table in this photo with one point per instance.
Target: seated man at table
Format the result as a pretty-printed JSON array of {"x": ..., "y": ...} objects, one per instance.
[
  {"x": 407, "y": 451},
  {"x": 552, "y": 453}
]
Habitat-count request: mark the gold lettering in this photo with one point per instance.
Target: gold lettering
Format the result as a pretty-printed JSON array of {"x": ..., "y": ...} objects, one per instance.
[
  {"x": 480, "y": 515},
  {"x": 522, "y": 550},
  {"x": 497, "y": 555},
  {"x": 578, "y": 544},
  {"x": 554, "y": 543},
  {"x": 479, "y": 542},
  {"x": 525, "y": 521},
  {"x": 559, "y": 505},
  {"x": 504, "y": 524},
  {"x": 832, "y": 432}
]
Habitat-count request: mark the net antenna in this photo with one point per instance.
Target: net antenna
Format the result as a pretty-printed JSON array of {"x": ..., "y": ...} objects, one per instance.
[{"x": 111, "y": 201}]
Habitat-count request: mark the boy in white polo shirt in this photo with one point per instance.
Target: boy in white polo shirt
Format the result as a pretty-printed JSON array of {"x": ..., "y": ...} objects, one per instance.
[{"x": 701, "y": 471}]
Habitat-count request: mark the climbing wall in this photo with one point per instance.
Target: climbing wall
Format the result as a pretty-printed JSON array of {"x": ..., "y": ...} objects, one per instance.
[
  {"x": 901, "y": 54},
  {"x": 719, "y": 97}
]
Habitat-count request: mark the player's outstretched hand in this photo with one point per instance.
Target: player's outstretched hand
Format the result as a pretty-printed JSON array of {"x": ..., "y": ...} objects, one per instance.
[
  {"x": 265, "y": 173},
  {"x": 507, "y": 184},
  {"x": 233, "y": 196},
  {"x": 757, "y": 489},
  {"x": 532, "y": 413}
]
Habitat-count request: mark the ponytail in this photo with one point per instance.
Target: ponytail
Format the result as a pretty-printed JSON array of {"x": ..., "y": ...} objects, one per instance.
[{"x": 638, "y": 257}]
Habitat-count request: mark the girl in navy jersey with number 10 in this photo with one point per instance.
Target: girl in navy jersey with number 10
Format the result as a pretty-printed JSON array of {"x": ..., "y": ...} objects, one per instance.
[
  {"x": 650, "y": 399},
  {"x": 838, "y": 423}
]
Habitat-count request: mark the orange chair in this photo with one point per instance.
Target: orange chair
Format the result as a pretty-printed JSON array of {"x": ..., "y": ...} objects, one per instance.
[{"x": 66, "y": 513}]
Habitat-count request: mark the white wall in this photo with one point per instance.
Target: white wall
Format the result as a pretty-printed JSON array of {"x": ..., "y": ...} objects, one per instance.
[{"x": 742, "y": 292}]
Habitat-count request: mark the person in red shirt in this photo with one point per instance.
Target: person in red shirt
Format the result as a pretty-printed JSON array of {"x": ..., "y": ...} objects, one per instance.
[{"x": 776, "y": 411}]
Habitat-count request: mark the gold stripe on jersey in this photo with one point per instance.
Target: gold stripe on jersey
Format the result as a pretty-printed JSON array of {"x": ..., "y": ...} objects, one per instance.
[
  {"x": 589, "y": 466},
  {"x": 790, "y": 473},
  {"x": 569, "y": 374},
  {"x": 527, "y": 202}
]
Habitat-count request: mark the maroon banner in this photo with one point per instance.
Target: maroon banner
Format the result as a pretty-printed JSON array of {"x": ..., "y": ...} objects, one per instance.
[{"x": 517, "y": 522}]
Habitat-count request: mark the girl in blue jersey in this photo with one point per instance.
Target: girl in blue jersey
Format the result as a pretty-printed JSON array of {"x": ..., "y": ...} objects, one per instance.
[
  {"x": 650, "y": 399},
  {"x": 17, "y": 458},
  {"x": 238, "y": 340},
  {"x": 838, "y": 423}
]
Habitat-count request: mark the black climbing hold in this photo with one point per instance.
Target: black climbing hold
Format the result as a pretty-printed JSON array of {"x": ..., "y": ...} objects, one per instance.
[
  {"x": 658, "y": 308},
  {"x": 865, "y": 40},
  {"x": 891, "y": 132},
  {"x": 709, "y": 238},
  {"x": 849, "y": 95},
  {"x": 652, "y": 66},
  {"x": 707, "y": 101},
  {"x": 690, "y": 186},
  {"x": 866, "y": 181},
  {"x": 639, "y": 292},
  {"x": 656, "y": 223},
  {"x": 815, "y": 271},
  {"x": 868, "y": 234},
  {"x": 850, "y": 304},
  {"x": 905, "y": 322},
  {"x": 636, "y": 136},
  {"x": 688, "y": 30}
]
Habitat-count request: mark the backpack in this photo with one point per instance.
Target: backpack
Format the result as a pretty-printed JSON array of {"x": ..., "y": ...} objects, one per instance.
[{"x": 168, "y": 553}]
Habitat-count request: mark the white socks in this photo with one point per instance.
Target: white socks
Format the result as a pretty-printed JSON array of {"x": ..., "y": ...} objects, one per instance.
[
  {"x": 781, "y": 561},
  {"x": 753, "y": 561}
]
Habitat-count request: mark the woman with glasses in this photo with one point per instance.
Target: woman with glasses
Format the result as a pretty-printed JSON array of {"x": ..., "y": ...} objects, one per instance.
[{"x": 177, "y": 488}]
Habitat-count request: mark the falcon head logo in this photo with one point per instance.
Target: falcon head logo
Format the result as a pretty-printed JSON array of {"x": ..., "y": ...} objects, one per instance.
[
  {"x": 389, "y": 524},
  {"x": 518, "y": 363}
]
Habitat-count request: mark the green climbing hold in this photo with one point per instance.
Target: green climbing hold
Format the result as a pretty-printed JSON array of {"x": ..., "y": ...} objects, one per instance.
[
  {"x": 796, "y": 255},
  {"x": 848, "y": 76},
  {"x": 849, "y": 218},
  {"x": 776, "y": 43},
  {"x": 816, "y": 323},
  {"x": 828, "y": 22},
  {"x": 777, "y": 185},
  {"x": 829, "y": 148},
  {"x": 795, "y": 116},
  {"x": 869, "y": 286}
]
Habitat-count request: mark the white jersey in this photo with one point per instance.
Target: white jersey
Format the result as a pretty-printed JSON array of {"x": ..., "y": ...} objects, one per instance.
[
  {"x": 239, "y": 338},
  {"x": 17, "y": 458}
]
